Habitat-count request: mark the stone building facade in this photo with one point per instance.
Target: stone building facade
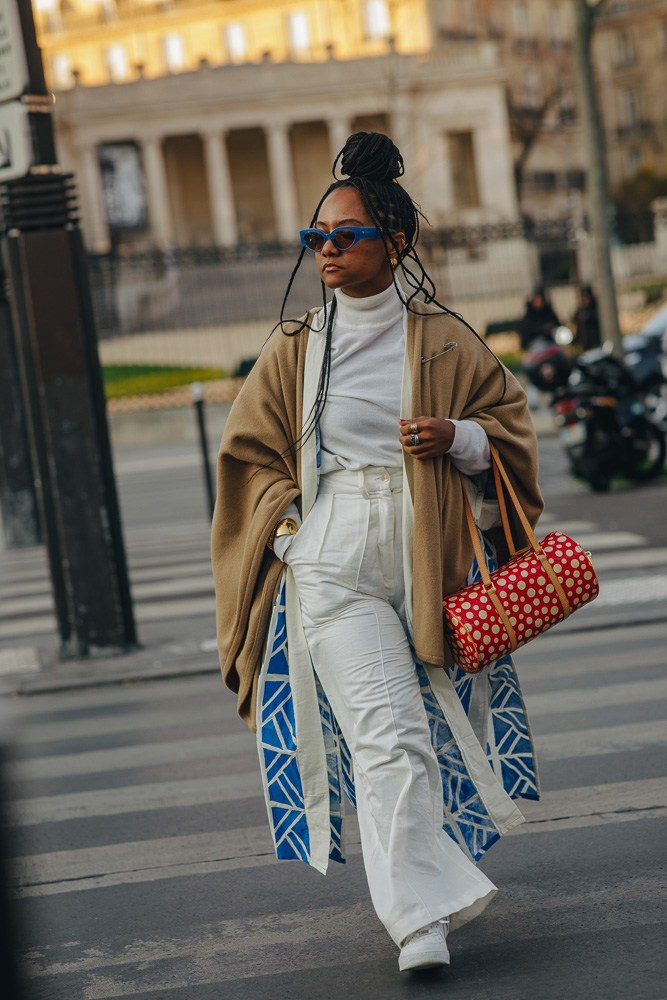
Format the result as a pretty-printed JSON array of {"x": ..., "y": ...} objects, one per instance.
[
  {"x": 243, "y": 152},
  {"x": 216, "y": 122}
]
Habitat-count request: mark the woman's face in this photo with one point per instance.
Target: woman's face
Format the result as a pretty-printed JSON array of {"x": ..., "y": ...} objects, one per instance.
[{"x": 363, "y": 269}]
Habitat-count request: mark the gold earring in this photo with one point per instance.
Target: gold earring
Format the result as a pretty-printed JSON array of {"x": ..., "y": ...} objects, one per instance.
[{"x": 393, "y": 261}]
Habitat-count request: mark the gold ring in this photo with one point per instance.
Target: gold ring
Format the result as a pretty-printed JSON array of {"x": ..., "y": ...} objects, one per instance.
[{"x": 414, "y": 427}]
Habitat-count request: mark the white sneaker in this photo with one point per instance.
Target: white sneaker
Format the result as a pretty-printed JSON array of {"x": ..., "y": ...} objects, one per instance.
[{"x": 426, "y": 948}]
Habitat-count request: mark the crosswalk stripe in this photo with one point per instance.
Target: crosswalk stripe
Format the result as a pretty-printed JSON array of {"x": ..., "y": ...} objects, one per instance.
[
  {"x": 605, "y": 696},
  {"x": 597, "y": 541},
  {"x": 134, "y": 798},
  {"x": 631, "y": 559},
  {"x": 162, "y": 752},
  {"x": 159, "y": 717},
  {"x": 179, "y": 856},
  {"x": 155, "y": 718},
  {"x": 151, "y": 611},
  {"x": 126, "y": 758},
  {"x": 608, "y": 739},
  {"x": 204, "y": 791},
  {"x": 536, "y": 661},
  {"x": 144, "y": 574},
  {"x": 310, "y": 938}
]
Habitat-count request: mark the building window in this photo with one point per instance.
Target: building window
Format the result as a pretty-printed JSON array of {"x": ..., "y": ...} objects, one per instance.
[
  {"x": 625, "y": 50},
  {"x": 629, "y": 108},
  {"x": 235, "y": 42},
  {"x": 545, "y": 180},
  {"x": 117, "y": 63},
  {"x": 173, "y": 50},
  {"x": 555, "y": 26},
  {"x": 531, "y": 90},
  {"x": 377, "y": 23},
  {"x": 298, "y": 34},
  {"x": 464, "y": 172},
  {"x": 61, "y": 71},
  {"x": 635, "y": 160},
  {"x": 575, "y": 179},
  {"x": 521, "y": 20}
]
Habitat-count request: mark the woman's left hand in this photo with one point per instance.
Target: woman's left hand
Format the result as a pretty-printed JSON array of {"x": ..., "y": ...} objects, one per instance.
[{"x": 436, "y": 436}]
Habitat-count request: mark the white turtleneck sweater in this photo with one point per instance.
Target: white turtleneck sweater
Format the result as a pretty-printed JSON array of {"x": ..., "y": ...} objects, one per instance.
[{"x": 359, "y": 424}]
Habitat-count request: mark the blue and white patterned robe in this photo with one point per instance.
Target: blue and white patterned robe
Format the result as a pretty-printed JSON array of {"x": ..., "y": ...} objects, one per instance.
[{"x": 478, "y": 723}]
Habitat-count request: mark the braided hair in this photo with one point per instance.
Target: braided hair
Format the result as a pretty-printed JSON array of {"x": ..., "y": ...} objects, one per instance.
[{"x": 371, "y": 164}]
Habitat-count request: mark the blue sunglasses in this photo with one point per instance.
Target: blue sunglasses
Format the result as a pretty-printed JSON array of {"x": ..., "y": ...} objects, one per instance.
[{"x": 342, "y": 238}]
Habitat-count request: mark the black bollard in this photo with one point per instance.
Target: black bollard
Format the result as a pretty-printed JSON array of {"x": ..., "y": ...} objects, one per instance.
[{"x": 197, "y": 390}]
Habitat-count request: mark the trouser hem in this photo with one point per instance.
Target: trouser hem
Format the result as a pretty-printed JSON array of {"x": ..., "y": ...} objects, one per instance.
[{"x": 468, "y": 906}]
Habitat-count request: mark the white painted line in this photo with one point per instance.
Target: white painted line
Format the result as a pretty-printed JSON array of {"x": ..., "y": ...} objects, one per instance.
[
  {"x": 159, "y": 718},
  {"x": 606, "y": 740},
  {"x": 23, "y": 659},
  {"x": 600, "y": 540},
  {"x": 637, "y": 590},
  {"x": 139, "y": 755},
  {"x": 174, "y": 857},
  {"x": 633, "y": 559},
  {"x": 186, "y": 608},
  {"x": 135, "y": 798},
  {"x": 605, "y": 696}
]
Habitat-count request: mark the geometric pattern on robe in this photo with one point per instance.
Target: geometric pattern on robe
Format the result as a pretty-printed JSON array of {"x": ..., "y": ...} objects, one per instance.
[{"x": 494, "y": 695}]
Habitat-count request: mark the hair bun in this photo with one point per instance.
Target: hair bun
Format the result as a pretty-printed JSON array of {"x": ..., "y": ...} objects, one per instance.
[{"x": 372, "y": 155}]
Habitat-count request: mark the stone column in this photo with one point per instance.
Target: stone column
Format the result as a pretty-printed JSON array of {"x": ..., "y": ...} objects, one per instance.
[
  {"x": 157, "y": 191},
  {"x": 283, "y": 186},
  {"x": 223, "y": 212},
  {"x": 95, "y": 226},
  {"x": 339, "y": 130},
  {"x": 439, "y": 202},
  {"x": 659, "y": 209}
]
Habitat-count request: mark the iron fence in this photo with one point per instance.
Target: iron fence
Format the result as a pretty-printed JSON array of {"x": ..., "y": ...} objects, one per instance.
[{"x": 169, "y": 317}]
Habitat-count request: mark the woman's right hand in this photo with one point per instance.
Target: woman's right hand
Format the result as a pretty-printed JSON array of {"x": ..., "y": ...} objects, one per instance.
[{"x": 281, "y": 544}]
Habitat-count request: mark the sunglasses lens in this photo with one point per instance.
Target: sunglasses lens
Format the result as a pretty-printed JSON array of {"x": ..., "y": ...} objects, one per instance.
[
  {"x": 314, "y": 240},
  {"x": 344, "y": 239}
]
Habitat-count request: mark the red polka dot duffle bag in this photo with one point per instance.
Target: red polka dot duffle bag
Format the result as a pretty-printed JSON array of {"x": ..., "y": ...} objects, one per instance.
[{"x": 540, "y": 586}]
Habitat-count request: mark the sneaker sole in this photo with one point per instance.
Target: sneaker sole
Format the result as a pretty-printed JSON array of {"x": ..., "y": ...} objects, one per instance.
[{"x": 427, "y": 962}]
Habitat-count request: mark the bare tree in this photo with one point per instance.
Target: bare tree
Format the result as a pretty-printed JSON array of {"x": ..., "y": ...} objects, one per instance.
[
  {"x": 596, "y": 184},
  {"x": 525, "y": 127}
]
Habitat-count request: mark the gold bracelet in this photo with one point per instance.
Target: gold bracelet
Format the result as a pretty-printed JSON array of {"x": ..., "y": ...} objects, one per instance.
[{"x": 287, "y": 526}]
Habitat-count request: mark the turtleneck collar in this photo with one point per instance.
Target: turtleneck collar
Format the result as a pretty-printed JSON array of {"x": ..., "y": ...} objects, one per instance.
[{"x": 383, "y": 309}]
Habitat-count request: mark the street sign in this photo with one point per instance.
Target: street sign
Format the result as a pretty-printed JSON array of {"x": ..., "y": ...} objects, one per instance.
[
  {"x": 16, "y": 155},
  {"x": 13, "y": 66}
]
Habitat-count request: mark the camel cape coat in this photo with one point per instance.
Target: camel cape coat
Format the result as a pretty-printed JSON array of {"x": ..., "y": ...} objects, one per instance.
[
  {"x": 479, "y": 726},
  {"x": 260, "y": 473}
]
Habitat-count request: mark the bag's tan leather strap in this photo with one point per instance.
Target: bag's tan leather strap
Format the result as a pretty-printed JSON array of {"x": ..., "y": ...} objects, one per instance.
[
  {"x": 484, "y": 570},
  {"x": 500, "y": 493},
  {"x": 499, "y": 471},
  {"x": 530, "y": 534}
]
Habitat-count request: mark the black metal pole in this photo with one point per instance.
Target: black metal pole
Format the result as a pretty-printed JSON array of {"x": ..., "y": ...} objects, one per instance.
[
  {"x": 62, "y": 385},
  {"x": 18, "y": 493},
  {"x": 197, "y": 390},
  {"x": 13, "y": 988}
]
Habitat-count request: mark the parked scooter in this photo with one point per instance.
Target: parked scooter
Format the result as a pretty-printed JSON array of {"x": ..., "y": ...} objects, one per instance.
[
  {"x": 600, "y": 409},
  {"x": 646, "y": 357}
]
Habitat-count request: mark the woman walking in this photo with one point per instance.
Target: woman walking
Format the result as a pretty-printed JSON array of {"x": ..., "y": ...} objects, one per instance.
[{"x": 339, "y": 527}]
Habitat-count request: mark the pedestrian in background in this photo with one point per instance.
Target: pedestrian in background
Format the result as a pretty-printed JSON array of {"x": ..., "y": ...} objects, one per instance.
[
  {"x": 539, "y": 320},
  {"x": 339, "y": 527},
  {"x": 587, "y": 323}
]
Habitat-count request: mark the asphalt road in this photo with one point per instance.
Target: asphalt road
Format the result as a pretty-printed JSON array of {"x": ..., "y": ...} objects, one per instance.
[
  {"x": 145, "y": 866},
  {"x": 143, "y": 862}
]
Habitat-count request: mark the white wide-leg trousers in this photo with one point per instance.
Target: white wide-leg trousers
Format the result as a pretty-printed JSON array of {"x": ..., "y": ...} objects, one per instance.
[{"x": 348, "y": 564}]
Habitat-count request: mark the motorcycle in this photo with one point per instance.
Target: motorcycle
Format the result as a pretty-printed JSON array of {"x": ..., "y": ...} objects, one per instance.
[
  {"x": 646, "y": 357},
  {"x": 599, "y": 406}
]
